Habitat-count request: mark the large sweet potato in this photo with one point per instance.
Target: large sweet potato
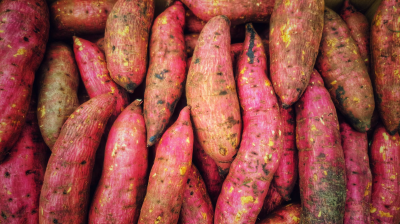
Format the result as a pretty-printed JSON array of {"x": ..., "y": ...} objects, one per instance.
[
  {"x": 65, "y": 192},
  {"x": 295, "y": 34},
  {"x": 321, "y": 161},
  {"x": 210, "y": 90},
  {"x": 289, "y": 214},
  {"x": 272, "y": 201},
  {"x": 344, "y": 73},
  {"x": 252, "y": 171},
  {"x": 126, "y": 40},
  {"x": 24, "y": 30},
  {"x": 58, "y": 90}
]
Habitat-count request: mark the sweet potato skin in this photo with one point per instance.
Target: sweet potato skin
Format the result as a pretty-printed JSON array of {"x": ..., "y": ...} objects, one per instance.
[
  {"x": 167, "y": 71},
  {"x": 126, "y": 40},
  {"x": 321, "y": 160},
  {"x": 385, "y": 156},
  {"x": 358, "y": 174},
  {"x": 210, "y": 88},
  {"x": 385, "y": 49},
  {"x": 196, "y": 206},
  {"x": 288, "y": 214},
  {"x": 65, "y": 193},
  {"x": 169, "y": 174},
  {"x": 24, "y": 32},
  {"x": 272, "y": 201},
  {"x": 292, "y": 49},
  {"x": 252, "y": 171},
  {"x": 344, "y": 72},
  {"x": 58, "y": 91}
]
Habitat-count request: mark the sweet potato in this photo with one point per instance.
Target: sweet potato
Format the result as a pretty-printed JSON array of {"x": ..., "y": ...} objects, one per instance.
[
  {"x": 78, "y": 17},
  {"x": 24, "y": 30},
  {"x": 358, "y": 174},
  {"x": 190, "y": 43},
  {"x": 272, "y": 201},
  {"x": 65, "y": 192},
  {"x": 385, "y": 166},
  {"x": 169, "y": 174},
  {"x": 58, "y": 91},
  {"x": 196, "y": 206},
  {"x": 126, "y": 40},
  {"x": 385, "y": 49},
  {"x": 22, "y": 174},
  {"x": 252, "y": 171},
  {"x": 167, "y": 71},
  {"x": 296, "y": 30},
  {"x": 344, "y": 73},
  {"x": 236, "y": 50},
  {"x": 321, "y": 160},
  {"x": 289, "y": 214},
  {"x": 122, "y": 186},
  {"x": 210, "y": 89},
  {"x": 100, "y": 44}
]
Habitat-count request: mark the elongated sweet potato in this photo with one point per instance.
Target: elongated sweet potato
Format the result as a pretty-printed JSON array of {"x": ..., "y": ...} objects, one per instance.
[
  {"x": 344, "y": 73},
  {"x": 385, "y": 50},
  {"x": 126, "y": 40},
  {"x": 272, "y": 201},
  {"x": 122, "y": 186},
  {"x": 167, "y": 71},
  {"x": 289, "y": 214},
  {"x": 385, "y": 166},
  {"x": 58, "y": 91},
  {"x": 196, "y": 206},
  {"x": 65, "y": 192},
  {"x": 295, "y": 35},
  {"x": 236, "y": 50},
  {"x": 321, "y": 161},
  {"x": 169, "y": 174},
  {"x": 24, "y": 30},
  {"x": 252, "y": 171},
  {"x": 210, "y": 89},
  {"x": 358, "y": 174}
]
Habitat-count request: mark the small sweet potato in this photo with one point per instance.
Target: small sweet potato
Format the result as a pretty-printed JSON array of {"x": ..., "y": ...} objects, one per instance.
[
  {"x": 288, "y": 214},
  {"x": 272, "y": 201},
  {"x": 58, "y": 90}
]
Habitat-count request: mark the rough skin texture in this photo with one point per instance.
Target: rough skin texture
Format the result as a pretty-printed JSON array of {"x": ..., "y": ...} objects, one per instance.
[
  {"x": 122, "y": 186},
  {"x": 251, "y": 173},
  {"x": 24, "y": 30},
  {"x": 58, "y": 90},
  {"x": 169, "y": 174},
  {"x": 358, "y": 174},
  {"x": 196, "y": 206},
  {"x": 385, "y": 157},
  {"x": 295, "y": 35},
  {"x": 126, "y": 40},
  {"x": 78, "y": 17},
  {"x": 345, "y": 74},
  {"x": 167, "y": 71},
  {"x": 22, "y": 173},
  {"x": 385, "y": 50},
  {"x": 289, "y": 214},
  {"x": 272, "y": 201},
  {"x": 210, "y": 89},
  {"x": 321, "y": 161},
  {"x": 65, "y": 193}
]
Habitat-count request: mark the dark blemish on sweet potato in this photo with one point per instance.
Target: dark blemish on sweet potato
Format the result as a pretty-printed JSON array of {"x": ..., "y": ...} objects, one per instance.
[
  {"x": 250, "y": 52},
  {"x": 161, "y": 74},
  {"x": 83, "y": 162},
  {"x": 30, "y": 172},
  {"x": 266, "y": 171},
  {"x": 171, "y": 36},
  {"x": 160, "y": 102},
  {"x": 113, "y": 48},
  {"x": 7, "y": 174},
  {"x": 36, "y": 30},
  {"x": 197, "y": 61},
  {"x": 340, "y": 95},
  {"x": 55, "y": 221},
  {"x": 3, "y": 215},
  {"x": 26, "y": 39},
  {"x": 131, "y": 86},
  {"x": 223, "y": 93}
]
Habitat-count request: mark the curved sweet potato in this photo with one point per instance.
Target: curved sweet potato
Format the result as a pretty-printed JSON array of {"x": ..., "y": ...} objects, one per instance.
[
  {"x": 272, "y": 201},
  {"x": 289, "y": 214}
]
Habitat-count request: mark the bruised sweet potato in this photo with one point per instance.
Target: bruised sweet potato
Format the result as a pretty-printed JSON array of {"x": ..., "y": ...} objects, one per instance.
[
  {"x": 126, "y": 40},
  {"x": 321, "y": 161},
  {"x": 65, "y": 192},
  {"x": 289, "y": 214},
  {"x": 385, "y": 50},
  {"x": 272, "y": 201},
  {"x": 344, "y": 73},
  {"x": 169, "y": 174},
  {"x": 210, "y": 90},
  {"x": 58, "y": 91},
  {"x": 251, "y": 173},
  {"x": 24, "y": 30},
  {"x": 295, "y": 34}
]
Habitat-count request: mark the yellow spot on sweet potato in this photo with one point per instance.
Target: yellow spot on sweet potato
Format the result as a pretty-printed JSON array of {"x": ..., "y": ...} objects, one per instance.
[
  {"x": 385, "y": 136},
  {"x": 313, "y": 128},
  {"x": 8, "y": 192},
  {"x": 4, "y": 20},
  {"x": 69, "y": 190},
  {"x": 230, "y": 190},
  {"x": 188, "y": 140},
  {"x": 157, "y": 220},
  {"x": 393, "y": 177},
  {"x": 326, "y": 173},
  {"x": 267, "y": 83},
  {"x": 355, "y": 99},
  {"x": 285, "y": 35},
  {"x": 319, "y": 214},
  {"x": 372, "y": 210},
  {"x": 243, "y": 70},
  {"x": 311, "y": 139},
  {"x": 287, "y": 3},
  {"x": 13, "y": 105},
  {"x": 204, "y": 215},
  {"x": 239, "y": 214},
  {"x": 9, "y": 46},
  {"x": 163, "y": 20},
  {"x": 334, "y": 82},
  {"x": 385, "y": 214},
  {"x": 315, "y": 177},
  {"x": 42, "y": 111},
  {"x": 355, "y": 52},
  {"x": 270, "y": 143},
  {"x": 111, "y": 167},
  {"x": 182, "y": 170},
  {"x": 1, "y": 31},
  {"x": 295, "y": 218},
  {"x": 246, "y": 199}
]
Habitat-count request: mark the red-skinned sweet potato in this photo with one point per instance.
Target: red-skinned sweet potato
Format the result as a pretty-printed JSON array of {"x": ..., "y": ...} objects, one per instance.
[
  {"x": 385, "y": 49},
  {"x": 24, "y": 30},
  {"x": 210, "y": 89},
  {"x": 295, "y": 35},
  {"x": 169, "y": 174},
  {"x": 358, "y": 174},
  {"x": 272, "y": 201},
  {"x": 321, "y": 161},
  {"x": 58, "y": 91},
  {"x": 65, "y": 192},
  {"x": 251, "y": 173},
  {"x": 289, "y": 214},
  {"x": 345, "y": 74},
  {"x": 126, "y": 40}
]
